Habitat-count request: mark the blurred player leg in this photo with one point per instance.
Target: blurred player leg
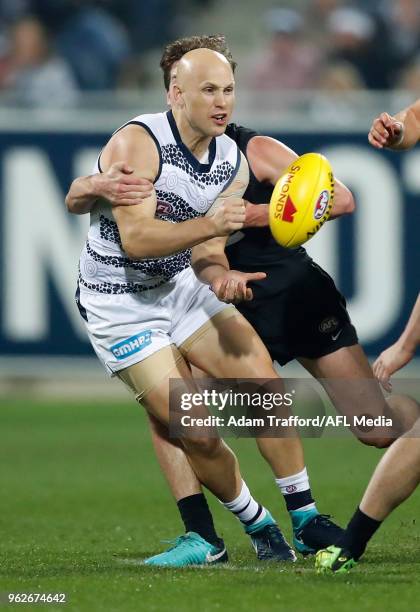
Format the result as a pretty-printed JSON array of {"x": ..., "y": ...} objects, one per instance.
[
  {"x": 350, "y": 364},
  {"x": 395, "y": 478}
]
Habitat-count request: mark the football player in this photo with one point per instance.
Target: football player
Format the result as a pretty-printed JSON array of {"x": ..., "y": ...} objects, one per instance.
[
  {"x": 398, "y": 473},
  {"x": 146, "y": 312},
  {"x": 395, "y": 478}
]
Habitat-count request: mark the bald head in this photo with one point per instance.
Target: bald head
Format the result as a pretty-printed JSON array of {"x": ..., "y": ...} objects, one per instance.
[
  {"x": 202, "y": 65},
  {"x": 203, "y": 93}
]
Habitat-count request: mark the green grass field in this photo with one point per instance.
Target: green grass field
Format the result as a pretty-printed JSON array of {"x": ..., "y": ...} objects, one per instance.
[{"x": 82, "y": 502}]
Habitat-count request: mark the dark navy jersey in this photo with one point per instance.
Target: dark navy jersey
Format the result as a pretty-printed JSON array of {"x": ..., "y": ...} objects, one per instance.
[
  {"x": 257, "y": 246},
  {"x": 290, "y": 306}
]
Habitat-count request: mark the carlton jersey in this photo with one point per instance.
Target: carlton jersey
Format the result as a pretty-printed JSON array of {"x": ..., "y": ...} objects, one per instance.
[
  {"x": 297, "y": 310},
  {"x": 185, "y": 189},
  {"x": 255, "y": 245}
]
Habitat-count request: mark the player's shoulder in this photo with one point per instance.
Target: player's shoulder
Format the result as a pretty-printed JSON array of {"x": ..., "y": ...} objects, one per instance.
[
  {"x": 149, "y": 119},
  {"x": 140, "y": 130},
  {"x": 135, "y": 143},
  {"x": 148, "y": 123}
]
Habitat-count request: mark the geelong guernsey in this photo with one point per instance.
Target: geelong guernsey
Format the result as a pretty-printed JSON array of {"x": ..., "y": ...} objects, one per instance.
[{"x": 185, "y": 189}]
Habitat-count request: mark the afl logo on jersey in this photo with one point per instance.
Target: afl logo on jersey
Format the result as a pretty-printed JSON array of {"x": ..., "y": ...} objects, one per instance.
[
  {"x": 163, "y": 208},
  {"x": 328, "y": 325},
  {"x": 321, "y": 204}
]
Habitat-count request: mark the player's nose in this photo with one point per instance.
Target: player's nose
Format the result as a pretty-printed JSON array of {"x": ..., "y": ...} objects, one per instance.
[{"x": 220, "y": 99}]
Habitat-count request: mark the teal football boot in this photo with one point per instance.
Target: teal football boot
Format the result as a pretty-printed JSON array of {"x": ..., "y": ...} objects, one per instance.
[{"x": 190, "y": 549}]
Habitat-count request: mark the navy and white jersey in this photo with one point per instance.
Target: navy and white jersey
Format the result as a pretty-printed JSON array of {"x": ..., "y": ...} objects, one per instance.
[{"x": 185, "y": 189}]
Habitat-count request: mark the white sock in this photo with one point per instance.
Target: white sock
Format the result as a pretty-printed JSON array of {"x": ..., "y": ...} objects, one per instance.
[
  {"x": 296, "y": 491},
  {"x": 247, "y": 510}
]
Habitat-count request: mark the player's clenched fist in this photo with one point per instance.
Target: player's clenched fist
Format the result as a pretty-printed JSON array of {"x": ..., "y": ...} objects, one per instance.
[
  {"x": 232, "y": 288},
  {"x": 229, "y": 216},
  {"x": 120, "y": 186},
  {"x": 386, "y": 131}
]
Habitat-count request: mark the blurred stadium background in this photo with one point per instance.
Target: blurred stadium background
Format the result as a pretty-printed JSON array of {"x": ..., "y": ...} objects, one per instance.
[{"x": 311, "y": 72}]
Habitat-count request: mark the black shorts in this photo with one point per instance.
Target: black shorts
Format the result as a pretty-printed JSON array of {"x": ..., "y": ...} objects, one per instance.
[{"x": 298, "y": 311}]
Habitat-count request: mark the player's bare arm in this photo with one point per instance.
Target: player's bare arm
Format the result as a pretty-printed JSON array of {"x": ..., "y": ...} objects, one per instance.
[
  {"x": 209, "y": 261},
  {"x": 211, "y": 266},
  {"x": 399, "y": 132},
  {"x": 118, "y": 186},
  {"x": 142, "y": 235},
  {"x": 401, "y": 352},
  {"x": 268, "y": 159}
]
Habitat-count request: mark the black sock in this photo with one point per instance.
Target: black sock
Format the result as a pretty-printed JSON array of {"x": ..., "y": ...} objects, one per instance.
[
  {"x": 294, "y": 501},
  {"x": 196, "y": 516},
  {"x": 358, "y": 533}
]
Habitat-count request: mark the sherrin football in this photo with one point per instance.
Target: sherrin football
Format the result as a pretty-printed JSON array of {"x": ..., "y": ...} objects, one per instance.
[{"x": 302, "y": 200}]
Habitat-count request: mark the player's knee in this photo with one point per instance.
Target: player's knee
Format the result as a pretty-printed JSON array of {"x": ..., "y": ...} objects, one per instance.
[
  {"x": 377, "y": 441},
  {"x": 265, "y": 371},
  {"x": 404, "y": 411},
  {"x": 206, "y": 447},
  {"x": 262, "y": 367}
]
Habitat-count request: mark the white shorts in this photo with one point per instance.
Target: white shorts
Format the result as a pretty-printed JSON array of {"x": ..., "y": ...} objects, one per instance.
[{"x": 126, "y": 328}]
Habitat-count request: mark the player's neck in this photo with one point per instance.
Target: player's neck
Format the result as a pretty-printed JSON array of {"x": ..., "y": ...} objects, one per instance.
[{"x": 196, "y": 142}]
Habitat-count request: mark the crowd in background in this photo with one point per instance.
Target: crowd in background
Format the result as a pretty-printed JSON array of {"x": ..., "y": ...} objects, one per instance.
[
  {"x": 342, "y": 45},
  {"x": 51, "y": 50}
]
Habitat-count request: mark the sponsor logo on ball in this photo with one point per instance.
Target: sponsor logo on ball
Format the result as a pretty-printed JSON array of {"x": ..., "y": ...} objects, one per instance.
[
  {"x": 321, "y": 204},
  {"x": 285, "y": 209},
  {"x": 288, "y": 211}
]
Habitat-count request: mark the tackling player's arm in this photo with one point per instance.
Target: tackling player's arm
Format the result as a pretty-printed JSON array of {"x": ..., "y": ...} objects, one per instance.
[
  {"x": 398, "y": 132},
  {"x": 268, "y": 158},
  {"x": 142, "y": 235},
  {"x": 119, "y": 186}
]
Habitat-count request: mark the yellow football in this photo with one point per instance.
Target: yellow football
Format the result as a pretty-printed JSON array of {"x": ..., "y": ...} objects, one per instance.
[{"x": 302, "y": 200}]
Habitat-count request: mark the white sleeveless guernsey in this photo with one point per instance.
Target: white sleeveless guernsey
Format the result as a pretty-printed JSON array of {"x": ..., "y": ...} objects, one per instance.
[
  {"x": 185, "y": 189},
  {"x": 133, "y": 309}
]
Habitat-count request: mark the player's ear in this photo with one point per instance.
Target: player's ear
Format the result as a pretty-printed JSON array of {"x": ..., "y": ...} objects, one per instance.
[
  {"x": 175, "y": 96},
  {"x": 170, "y": 96}
]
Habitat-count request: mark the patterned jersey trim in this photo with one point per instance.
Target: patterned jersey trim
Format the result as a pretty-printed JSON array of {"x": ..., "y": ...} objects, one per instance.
[
  {"x": 173, "y": 155},
  {"x": 166, "y": 267},
  {"x": 108, "y": 230}
]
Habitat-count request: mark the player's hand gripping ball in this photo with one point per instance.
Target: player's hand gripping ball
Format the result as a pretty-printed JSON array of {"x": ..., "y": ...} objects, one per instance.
[{"x": 302, "y": 200}]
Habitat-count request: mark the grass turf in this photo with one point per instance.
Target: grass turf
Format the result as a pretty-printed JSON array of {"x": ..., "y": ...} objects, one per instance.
[{"x": 82, "y": 500}]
